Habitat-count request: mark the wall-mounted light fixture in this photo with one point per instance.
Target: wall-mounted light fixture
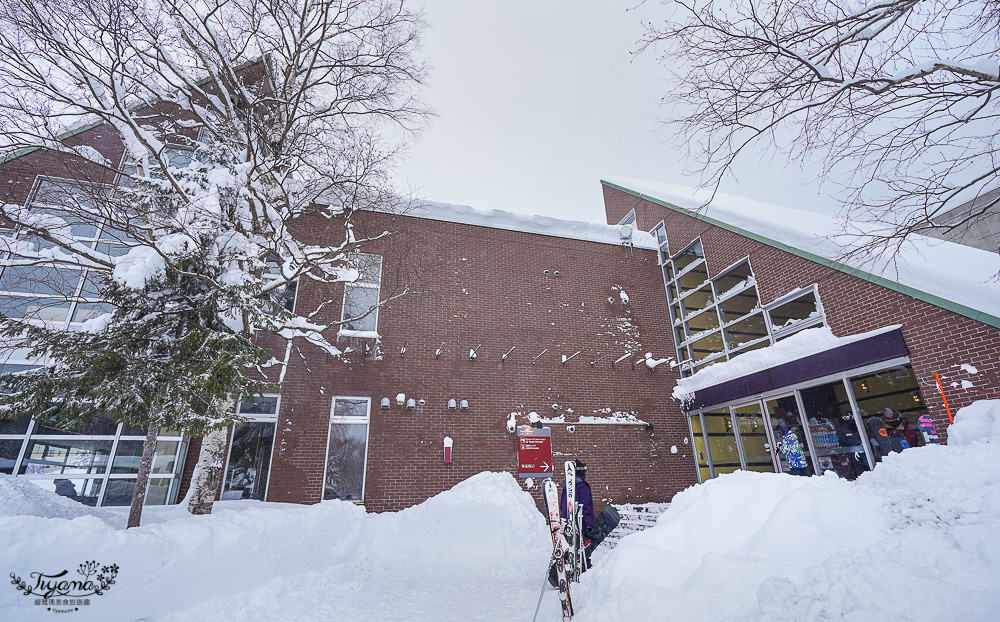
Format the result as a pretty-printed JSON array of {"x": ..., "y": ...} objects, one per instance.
[
  {"x": 421, "y": 403},
  {"x": 411, "y": 403},
  {"x": 452, "y": 405},
  {"x": 625, "y": 231},
  {"x": 464, "y": 404},
  {"x": 385, "y": 402},
  {"x": 400, "y": 399}
]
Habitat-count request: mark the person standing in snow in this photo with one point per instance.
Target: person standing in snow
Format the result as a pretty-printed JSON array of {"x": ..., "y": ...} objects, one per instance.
[
  {"x": 901, "y": 435},
  {"x": 584, "y": 499},
  {"x": 791, "y": 448}
]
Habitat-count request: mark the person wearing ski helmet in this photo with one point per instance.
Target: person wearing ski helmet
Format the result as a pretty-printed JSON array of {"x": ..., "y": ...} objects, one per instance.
[
  {"x": 790, "y": 446},
  {"x": 901, "y": 435},
  {"x": 584, "y": 499}
]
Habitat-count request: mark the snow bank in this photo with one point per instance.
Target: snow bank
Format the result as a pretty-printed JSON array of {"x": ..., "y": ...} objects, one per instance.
[
  {"x": 918, "y": 538},
  {"x": 926, "y": 264},
  {"x": 800, "y": 345},
  {"x": 980, "y": 420},
  {"x": 19, "y": 497},
  {"x": 252, "y": 560}
]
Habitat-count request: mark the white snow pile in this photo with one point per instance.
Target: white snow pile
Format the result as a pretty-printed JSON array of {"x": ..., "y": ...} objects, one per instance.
[
  {"x": 800, "y": 345},
  {"x": 916, "y": 539},
  {"x": 329, "y": 561},
  {"x": 19, "y": 497}
]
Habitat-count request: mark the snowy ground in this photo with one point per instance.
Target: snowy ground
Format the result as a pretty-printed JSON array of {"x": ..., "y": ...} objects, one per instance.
[{"x": 917, "y": 539}]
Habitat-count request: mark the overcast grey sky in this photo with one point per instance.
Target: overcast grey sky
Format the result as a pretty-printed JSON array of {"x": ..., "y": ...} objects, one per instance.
[{"x": 538, "y": 100}]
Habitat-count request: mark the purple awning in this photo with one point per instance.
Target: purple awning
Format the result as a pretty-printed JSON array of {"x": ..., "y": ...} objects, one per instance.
[{"x": 881, "y": 347}]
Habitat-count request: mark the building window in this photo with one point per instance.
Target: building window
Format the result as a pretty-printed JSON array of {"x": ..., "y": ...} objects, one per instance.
[
  {"x": 283, "y": 295},
  {"x": 360, "y": 310},
  {"x": 95, "y": 465},
  {"x": 629, "y": 219},
  {"x": 249, "y": 462},
  {"x": 347, "y": 452},
  {"x": 791, "y": 314},
  {"x": 64, "y": 293},
  {"x": 660, "y": 233}
]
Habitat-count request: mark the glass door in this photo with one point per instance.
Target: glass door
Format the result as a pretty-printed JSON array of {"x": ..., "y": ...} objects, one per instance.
[
  {"x": 722, "y": 446},
  {"x": 700, "y": 450},
  {"x": 754, "y": 438},
  {"x": 790, "y": 439},
  {"x": 834, "y": 430}
]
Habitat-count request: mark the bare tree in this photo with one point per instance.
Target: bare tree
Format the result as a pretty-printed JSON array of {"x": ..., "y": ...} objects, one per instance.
[
  {"x": 896, "y": 97},
  {"x": 240, "y": 126}
]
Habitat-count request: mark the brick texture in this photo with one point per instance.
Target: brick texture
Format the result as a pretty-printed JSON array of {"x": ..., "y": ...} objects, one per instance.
[{"x": 469, "y": 287}]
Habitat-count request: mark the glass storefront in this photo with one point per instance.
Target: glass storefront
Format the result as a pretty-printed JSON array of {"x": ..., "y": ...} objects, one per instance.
[
  {"x": 808, "y": 429},
  {"x": 96, "y": 465}
]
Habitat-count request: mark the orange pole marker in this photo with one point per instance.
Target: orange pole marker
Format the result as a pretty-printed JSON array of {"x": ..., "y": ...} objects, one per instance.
[{"x": 941, "y": 389}]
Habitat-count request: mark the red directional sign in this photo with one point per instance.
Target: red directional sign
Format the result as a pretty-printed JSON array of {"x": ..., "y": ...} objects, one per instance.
[{"x": 534, "y": 452}]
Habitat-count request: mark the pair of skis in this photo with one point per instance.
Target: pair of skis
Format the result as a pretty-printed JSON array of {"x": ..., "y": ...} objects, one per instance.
[{"x": 567, "y": 556}]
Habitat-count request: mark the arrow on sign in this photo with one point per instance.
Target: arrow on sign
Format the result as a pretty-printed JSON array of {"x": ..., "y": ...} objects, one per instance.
[{"x": 545, "y": 466}]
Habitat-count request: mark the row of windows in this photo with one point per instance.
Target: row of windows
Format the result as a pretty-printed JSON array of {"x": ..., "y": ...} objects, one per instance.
[
  {"x": 249, "y": 459},
  {"x": 717, "y": 318},
  {"x": 822, "y": 426},
  {"x": 69, "y": 294},
  {"x": 96, "y": 465}
]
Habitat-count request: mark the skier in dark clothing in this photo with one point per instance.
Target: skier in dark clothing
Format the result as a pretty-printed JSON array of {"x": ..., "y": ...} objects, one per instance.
[{"x": 584, "y": 499}]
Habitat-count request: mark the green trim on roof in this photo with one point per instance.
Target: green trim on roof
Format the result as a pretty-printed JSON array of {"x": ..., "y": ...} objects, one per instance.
[
  {"x": 950, "y": 305},
  {"x": 69, "y": 134}
]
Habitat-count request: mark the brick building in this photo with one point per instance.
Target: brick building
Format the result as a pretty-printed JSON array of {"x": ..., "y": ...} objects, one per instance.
[
  {"x": 741, "y": 277},
  {"x": 506, "y": 315}
]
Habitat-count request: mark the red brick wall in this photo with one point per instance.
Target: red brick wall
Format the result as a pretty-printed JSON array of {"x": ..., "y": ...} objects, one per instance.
[
  {"x": 473, "y": 285},
  {"x": 939, "y": 340}
]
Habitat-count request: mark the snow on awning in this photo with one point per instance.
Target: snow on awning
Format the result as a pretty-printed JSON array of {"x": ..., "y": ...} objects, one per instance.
[{"x": 809, "y": 354}]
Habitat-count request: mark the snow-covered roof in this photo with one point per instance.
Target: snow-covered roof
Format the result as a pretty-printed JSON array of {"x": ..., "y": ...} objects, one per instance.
[
  {"x": 957, "y": 277},
  {"x": 542, "y": 225}
]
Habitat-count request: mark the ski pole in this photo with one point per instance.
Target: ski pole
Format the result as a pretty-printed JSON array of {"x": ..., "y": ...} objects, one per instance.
[{"x": 540, "y": 594}]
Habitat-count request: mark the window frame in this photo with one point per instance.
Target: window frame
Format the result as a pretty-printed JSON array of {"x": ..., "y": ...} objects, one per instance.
[
  {"x": 254, "y": 418},
  {"x": 374, "y": 312},
  {"x": 119, "y": 434},
  {"x": 367, "y": 422},
  {"x": 784, "y": 331}
]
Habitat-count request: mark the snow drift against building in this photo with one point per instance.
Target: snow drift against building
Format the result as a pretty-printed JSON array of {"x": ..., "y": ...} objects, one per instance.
[
  {"x": 269, "y": 561},
  {"x": 915, "y": 539}
]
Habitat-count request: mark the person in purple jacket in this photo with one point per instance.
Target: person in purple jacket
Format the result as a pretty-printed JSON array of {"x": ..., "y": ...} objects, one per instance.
[{"x": 584, "y": 499}]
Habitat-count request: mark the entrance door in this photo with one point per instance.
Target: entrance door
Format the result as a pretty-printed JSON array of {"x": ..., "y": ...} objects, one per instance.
[
  {"x": 754, "y": 438},
  {"x": 790, "y": 441}
]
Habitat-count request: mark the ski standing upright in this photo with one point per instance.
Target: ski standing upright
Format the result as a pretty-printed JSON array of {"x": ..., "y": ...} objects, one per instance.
[
  {"x": 573, "y": 526},
  {"x": 560, "y": 548}
]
